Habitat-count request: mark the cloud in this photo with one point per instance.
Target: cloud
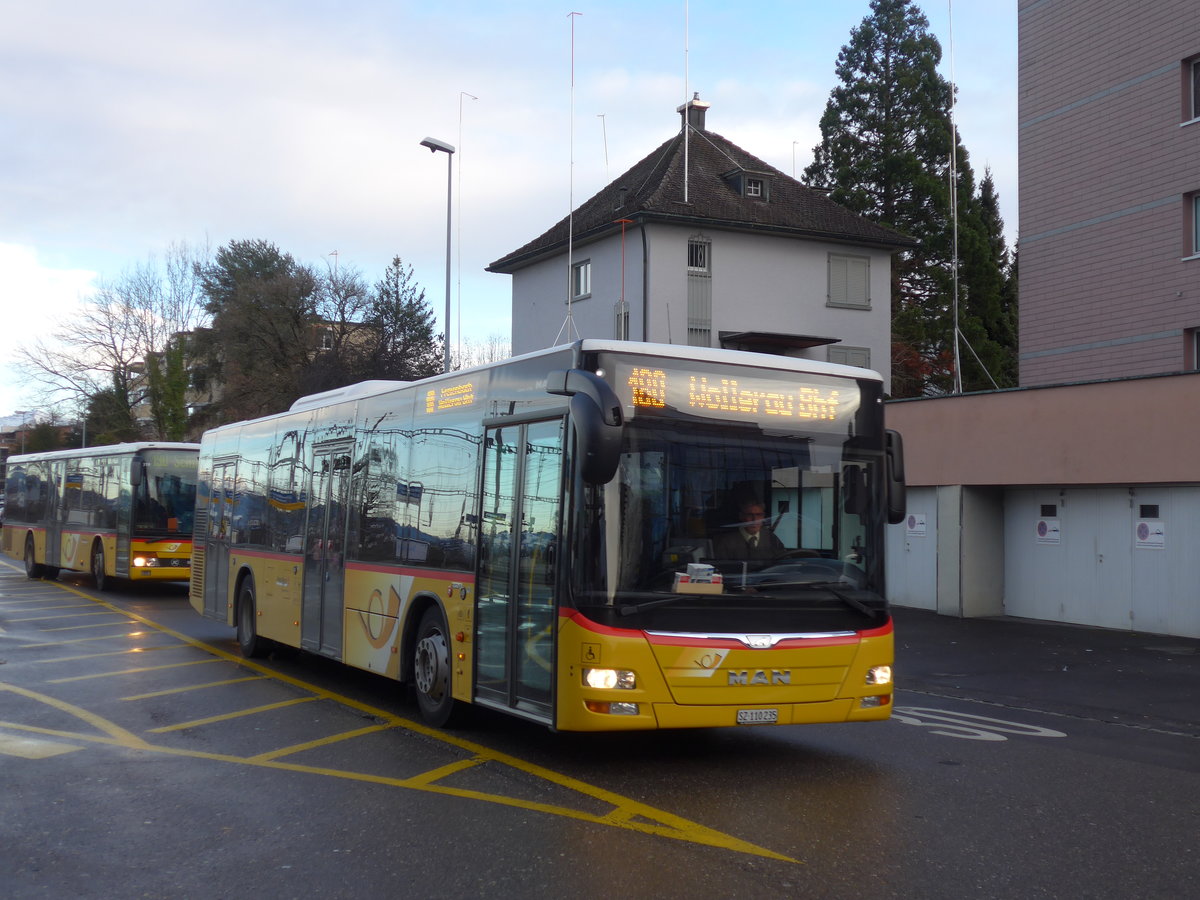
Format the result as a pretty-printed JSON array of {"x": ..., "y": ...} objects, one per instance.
[{"x": 35, "y": 297}]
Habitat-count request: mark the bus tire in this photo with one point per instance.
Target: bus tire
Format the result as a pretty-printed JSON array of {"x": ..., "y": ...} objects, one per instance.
[
  {"x": 431, "y": 669},
  {"x": 101, "y": 579},
  {"x": 33, "y": 569},
  {"x": 249, "y": 641}
]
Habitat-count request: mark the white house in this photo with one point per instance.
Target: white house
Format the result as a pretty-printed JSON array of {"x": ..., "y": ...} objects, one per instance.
[{"x": 734, "y": 253}]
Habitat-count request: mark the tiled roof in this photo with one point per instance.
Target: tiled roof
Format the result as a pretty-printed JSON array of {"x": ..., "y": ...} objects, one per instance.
[{"x": 653, "y": 191}]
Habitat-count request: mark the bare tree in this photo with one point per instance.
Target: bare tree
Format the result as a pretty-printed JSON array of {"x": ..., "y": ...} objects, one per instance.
[
  {"x": 493, "y": 348},
  {"x": 104, "y": 348}
]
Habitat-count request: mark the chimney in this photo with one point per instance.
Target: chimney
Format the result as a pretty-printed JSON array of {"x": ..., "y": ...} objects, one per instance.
[{"x": 694, "y": 111}]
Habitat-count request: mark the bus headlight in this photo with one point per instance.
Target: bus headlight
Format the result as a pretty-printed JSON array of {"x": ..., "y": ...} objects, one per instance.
[
  {"x": 619, "y": 679},
  {"x": 144, "y": 562},
  {"x": 879, "y": 675}
]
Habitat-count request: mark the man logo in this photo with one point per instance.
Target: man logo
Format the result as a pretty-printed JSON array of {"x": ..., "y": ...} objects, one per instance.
[{"x": 759, "y": 676}]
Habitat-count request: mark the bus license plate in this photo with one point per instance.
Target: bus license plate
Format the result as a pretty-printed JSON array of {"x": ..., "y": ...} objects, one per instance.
[{"x": 757, "y": 716}]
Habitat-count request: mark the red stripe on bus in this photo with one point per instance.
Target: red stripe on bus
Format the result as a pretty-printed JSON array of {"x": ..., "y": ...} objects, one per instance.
[{"x": 690, "y": 640}]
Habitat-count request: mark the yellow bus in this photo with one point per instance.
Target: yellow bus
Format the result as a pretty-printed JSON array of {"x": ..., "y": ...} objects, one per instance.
[
  {"x": 549, "y": 536},
  {"x": 119, "y": 511}
]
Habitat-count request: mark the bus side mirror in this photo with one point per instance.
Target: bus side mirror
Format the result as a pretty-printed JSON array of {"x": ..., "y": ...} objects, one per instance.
[
  {"x": 597, "y": 418},
  {"x": 136, "y": 471},
  {"x": 897, "y": 505}
]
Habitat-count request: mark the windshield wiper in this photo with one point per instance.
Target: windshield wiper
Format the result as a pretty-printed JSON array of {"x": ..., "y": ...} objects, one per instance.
[
  {"x": 635, "y": 608},
  {"x": 852, "y": 602}
]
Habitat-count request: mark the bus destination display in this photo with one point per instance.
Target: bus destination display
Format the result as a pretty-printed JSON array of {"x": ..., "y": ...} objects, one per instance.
[
  {"x": 711, "y": 393},
  {"x": 440, "y": 399}
]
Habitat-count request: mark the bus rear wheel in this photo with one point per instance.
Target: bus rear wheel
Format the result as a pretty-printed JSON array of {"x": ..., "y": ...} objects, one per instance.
[
  {"x": 99, "y": 576},
  {"x": 250, "y": 642},
  {"x": 33, "y": 569},
  {"x": 431, "y": 669}
]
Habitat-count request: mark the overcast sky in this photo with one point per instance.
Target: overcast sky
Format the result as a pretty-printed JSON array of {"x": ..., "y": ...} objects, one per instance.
[{"x": 129, "y": 126}]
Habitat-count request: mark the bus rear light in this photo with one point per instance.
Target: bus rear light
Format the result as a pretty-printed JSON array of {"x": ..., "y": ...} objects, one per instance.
[
  {"x": 612, "y": 709},
  {"x": 879, "y": 675},
  {"x": 620, "y": 679}
]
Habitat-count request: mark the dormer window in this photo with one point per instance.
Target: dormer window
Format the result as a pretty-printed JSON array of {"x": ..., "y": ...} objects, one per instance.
[{"x": 752, "y": 185}]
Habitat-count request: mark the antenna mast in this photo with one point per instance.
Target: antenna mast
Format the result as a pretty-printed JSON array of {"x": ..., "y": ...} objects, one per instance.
[{"x": 569, "y": 323}]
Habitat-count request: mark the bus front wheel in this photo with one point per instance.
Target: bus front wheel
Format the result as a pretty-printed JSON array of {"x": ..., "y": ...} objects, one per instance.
[
  {"x": 431, "y": 669},
  {"x": 249, "y": 641},
  {"x": 98, "y": 574},
  {"x": 33, "y": 569}
]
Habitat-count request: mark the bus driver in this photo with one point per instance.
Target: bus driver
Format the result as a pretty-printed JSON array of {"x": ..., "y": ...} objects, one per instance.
[{"x": 752, "y": 539}]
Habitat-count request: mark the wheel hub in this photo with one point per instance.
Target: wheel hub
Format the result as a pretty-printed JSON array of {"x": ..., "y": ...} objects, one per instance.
[{"x": 429, "y": 667}]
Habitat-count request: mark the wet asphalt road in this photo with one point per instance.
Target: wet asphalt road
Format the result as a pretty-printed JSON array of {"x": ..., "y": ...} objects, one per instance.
[{"x": 140, "y": 757}]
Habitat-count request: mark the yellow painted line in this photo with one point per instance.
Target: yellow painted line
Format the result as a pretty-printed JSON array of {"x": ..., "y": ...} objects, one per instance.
[
  {"x": 87, "y": 640},
  {"x": 112, "y": 730},
  {"x": 42, "y": 604},
  {"x": 81, "y": 627},
  {"x": 434, "y": 775},
  {"x": 126, "y": 652},
  {"x": 198, "y": 662},
  {"x": 67, "y": 616},
  {"x": 225, "y": 717},
  {"x": 322, "y": 742},
  {"x": 626, "y": 813},
  {"x": 31, "y": 748},
  {"x": 194, "y": 687}
]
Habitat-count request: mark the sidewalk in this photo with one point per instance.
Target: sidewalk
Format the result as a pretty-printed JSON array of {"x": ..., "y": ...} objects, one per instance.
[{"x": 1120, "y": 676}]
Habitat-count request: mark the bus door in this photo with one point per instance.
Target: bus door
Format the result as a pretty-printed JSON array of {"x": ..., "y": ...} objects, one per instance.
[
  {"x": 324, "y": 549},
  {"x": 216, "y": 550},
  {"x": 56, "y": 513},
  {"x": 125, "y": 520},
  {"x": 520, "y": 548}
]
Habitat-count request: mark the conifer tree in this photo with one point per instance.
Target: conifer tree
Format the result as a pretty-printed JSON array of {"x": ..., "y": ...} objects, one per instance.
[{"x": 886, "y": 139}]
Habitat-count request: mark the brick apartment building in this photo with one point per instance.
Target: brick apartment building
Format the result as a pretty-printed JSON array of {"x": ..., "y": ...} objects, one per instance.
[
  {"x": 1076, "y": 497},
  {"x": 1109, "y": 117}
]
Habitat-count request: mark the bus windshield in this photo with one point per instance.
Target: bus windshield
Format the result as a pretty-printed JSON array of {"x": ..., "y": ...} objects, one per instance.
[
  {"x": 165, "y": 500},
  {"x": 743, "y": 522}
]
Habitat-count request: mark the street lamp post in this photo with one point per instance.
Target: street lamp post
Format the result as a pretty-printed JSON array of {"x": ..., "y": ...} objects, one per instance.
[{"x": 434, "y": 146}]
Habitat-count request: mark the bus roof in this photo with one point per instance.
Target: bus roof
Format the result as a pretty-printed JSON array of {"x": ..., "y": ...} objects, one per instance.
[
  {"x": 126, "y": 449},
  {"x": 366, "y": 389},
  {"x": 736, "y": 357}
]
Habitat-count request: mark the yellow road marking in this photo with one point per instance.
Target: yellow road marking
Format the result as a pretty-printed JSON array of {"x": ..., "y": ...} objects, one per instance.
[
  {"x": 225, "y": 717},
  {"x": 67, "y": 616},
  {"x": 126, "y": 652},
  {"x": 626, "y": 813},
  {"x": 80, "y": 627},
  {"x": 87, "y": 640},
  {"x": 320, "y": 742},
  {"x": 194, "y": 687},
  {"x": 198, "y": 662},
  {"x": 41, "y": 604}
]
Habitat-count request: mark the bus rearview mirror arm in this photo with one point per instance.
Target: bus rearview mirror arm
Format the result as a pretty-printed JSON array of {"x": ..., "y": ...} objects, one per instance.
[
  {"x": 897, "y": 501},
  {"x": 597, "y": 417}
]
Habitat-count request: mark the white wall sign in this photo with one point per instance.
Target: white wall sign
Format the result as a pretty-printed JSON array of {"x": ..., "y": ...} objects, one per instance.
[
  {"x": 916, "y": 525},
  {"x": 1048, "y": 531},
  {"x": 1150, "y": 534}
]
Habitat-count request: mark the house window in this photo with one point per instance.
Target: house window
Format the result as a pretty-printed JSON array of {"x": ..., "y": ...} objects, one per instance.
[
  {"x": 754, "y": 187},
  {"x": 850, "y": 356},
  {"x": 1191, "y": 350},
  {"x": 1194, "y": 84},
  {"x": 325, "y": 339},
  {"x": 699, "y": 293},
  {"x": 849, "y": 281},
  {"x": 581, "y": 280},
  {"x": 1195, "y": 224}
]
